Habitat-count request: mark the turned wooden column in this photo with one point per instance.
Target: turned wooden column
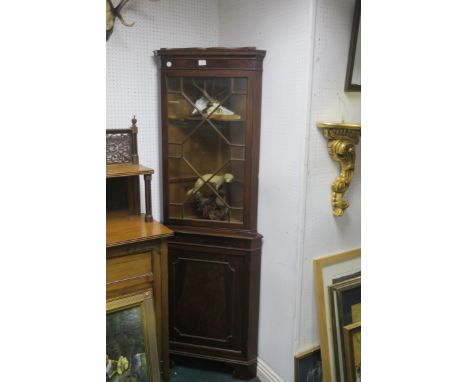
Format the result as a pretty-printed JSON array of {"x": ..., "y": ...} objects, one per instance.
[{"x": 149, "y": 207}]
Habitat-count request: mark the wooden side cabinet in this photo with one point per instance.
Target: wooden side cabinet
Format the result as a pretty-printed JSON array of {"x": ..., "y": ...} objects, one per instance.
[
  {"x": 137, "y": 260},
  {"x": 210, "y": 108}
]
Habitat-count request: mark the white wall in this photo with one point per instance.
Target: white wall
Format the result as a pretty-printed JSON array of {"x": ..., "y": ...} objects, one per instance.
[
  {"x": 283, "y": 28},
  {"x": 325, "y": 234},
  {"x": 132, "y": 73},
  {"x": 304, "y": 72}
]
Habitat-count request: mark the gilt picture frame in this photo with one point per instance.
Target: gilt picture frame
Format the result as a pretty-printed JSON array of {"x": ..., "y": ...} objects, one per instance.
[
  {"x": 352, "y": 340},
  {"x": 326, "y": 269},
  {"x": 131, "y": 342},
  {"x": 353, "y": 70}
]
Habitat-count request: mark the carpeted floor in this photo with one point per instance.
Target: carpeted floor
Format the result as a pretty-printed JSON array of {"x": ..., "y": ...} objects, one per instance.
[{"x": 188, "y": 370}]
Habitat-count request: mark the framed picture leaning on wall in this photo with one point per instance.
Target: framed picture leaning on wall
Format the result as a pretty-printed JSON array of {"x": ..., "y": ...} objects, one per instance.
[
  {"x": 352, "y": 340},
  {"x": 345, "y": 301},
  {"x": 131, "y": 346},
  {"x": 308, "y": 366},
  {"x": 326, "y": 270}
]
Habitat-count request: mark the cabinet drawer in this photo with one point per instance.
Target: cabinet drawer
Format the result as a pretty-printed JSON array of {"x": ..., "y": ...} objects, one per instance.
[{"x": 128, "y": 268}]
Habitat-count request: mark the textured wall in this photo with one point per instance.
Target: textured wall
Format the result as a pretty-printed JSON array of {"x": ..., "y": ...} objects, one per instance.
[
  {"x": 283, "y": 28},
  {"x": 304, "y": 72},
  {"x": 323, "y": 233},
  {"x": 132, "y": 73}
]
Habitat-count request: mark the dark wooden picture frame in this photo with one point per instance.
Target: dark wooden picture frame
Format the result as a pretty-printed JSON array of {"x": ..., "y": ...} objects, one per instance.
[
  {"x": 308, "y": 366},
  {"x": 349, "y": 86},
  {"x": 343, "y": 297},
  {"x": 352, "y": 360}
]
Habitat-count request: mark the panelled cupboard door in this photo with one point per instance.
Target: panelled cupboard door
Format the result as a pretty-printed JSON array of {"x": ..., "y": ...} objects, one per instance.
[{"x": 205, "y": 297}]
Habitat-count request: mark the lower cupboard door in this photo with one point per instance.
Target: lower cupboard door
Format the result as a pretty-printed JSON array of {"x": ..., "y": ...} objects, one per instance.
[{"x": 205, "y": 297}]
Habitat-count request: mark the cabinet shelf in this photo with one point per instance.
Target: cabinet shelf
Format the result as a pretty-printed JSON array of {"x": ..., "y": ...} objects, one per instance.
[
  {"x": 183, "y": 179},
  {"x": 225, "y": 118},
  {"x": 197, "y": 219},
  {"x": 126, "y": 169}
]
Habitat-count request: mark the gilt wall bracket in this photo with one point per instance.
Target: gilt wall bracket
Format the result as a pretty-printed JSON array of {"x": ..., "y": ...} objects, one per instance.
[{"x": 342, "y": 140}]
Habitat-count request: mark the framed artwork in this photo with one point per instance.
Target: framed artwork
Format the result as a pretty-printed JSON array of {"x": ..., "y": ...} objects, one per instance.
[
  {"x": 353, "y": 70},
  {"x": 346, "y": 277},
  {"x": 131, "y": 347},
  {"x": 308, "y": 366},
  {"x": 345, "y": 298},
  {"x": 327, "y": 269},
  {"x": 352, "y": 340}
]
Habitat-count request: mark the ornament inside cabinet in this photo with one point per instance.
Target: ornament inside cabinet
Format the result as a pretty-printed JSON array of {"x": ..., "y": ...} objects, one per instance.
[{"x": 210, "y": 107}]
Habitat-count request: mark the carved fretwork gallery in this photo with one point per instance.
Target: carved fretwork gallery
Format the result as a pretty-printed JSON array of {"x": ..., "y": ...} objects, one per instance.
[{"x": 210, "y": 106}]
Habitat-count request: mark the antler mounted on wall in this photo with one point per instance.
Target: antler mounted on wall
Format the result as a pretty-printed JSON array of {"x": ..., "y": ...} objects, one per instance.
[{"x": 114, "y": 12}]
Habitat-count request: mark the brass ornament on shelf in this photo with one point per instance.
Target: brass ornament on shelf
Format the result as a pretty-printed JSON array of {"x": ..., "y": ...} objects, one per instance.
[{"x": 342, "y": 139}]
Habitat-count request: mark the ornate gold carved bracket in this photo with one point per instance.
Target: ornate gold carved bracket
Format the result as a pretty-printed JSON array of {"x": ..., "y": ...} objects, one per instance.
[{"x": 342, "y": 139}]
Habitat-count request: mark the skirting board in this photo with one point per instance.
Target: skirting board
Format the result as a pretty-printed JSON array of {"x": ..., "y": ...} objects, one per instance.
[{"x": 265, "y": 373}]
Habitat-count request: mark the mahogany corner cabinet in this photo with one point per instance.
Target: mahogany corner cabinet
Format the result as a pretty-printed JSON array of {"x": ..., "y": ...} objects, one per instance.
[{"x": 210, "y": 110}]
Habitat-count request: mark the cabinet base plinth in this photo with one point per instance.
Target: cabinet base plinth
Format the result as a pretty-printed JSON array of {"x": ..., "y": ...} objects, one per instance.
[
  {"x": 245, "y": 372},
  {"x": 241, "y": 370}
]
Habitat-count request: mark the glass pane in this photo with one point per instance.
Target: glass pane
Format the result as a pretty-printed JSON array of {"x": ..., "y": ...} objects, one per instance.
[
  {"x": 175, "y": 211},
  {"x": 236, "y": 168},
  {"x": 236, "y": 215},
  {"x": 237, "y": 153},
  {"x": 174, "y": 84},
  {"x": 174, "y": 150},
  {"x": 240, "y": 85},
  {"x": 206, "y": 123},
  {"x": 207, "y": 149},
  {"x": 178, "y": 106},
  {"x": 237, "y": 104}
]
